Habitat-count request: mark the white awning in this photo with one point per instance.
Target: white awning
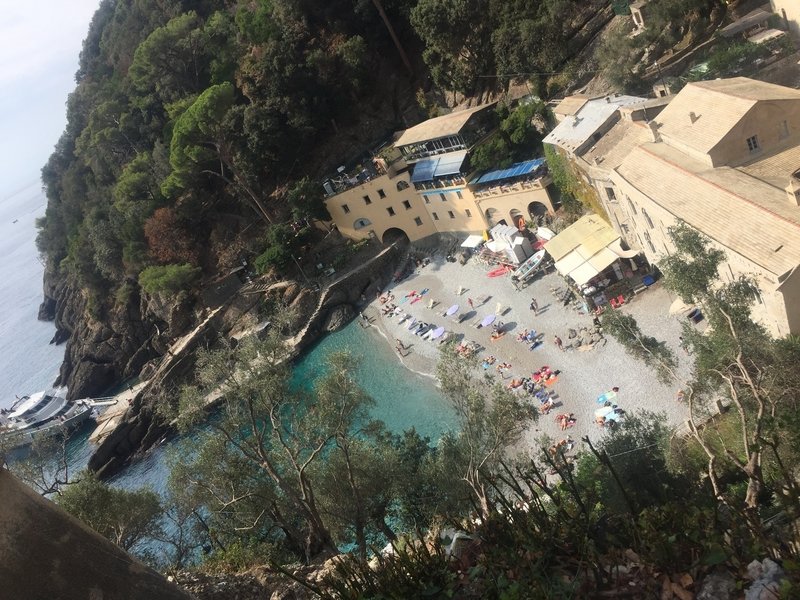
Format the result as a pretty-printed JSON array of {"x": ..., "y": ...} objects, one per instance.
[
  {"x": 583, "y": 273},
  {"x": 472, "y": 241},
  {"x": 496, "y": 246},
  {"x": 616, "y": 248},
  {"x": 545, "y": 233}
]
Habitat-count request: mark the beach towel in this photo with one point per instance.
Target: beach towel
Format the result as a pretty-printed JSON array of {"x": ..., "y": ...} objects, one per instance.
[{"x": 606, "y": 397}]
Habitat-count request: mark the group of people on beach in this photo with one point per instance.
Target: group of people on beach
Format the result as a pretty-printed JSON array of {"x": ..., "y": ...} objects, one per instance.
[{"x": 537, "y": 386}]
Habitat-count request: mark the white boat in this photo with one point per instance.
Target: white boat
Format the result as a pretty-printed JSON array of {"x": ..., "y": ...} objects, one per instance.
[
  {"x": 41, "y": 414},
  {"x": 529, "y": 267}
]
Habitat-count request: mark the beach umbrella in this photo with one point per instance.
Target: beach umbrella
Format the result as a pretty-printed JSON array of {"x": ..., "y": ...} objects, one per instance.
[
  {"x": 452, "y": 310},
  {"x": 488, "y": 320},
  {"x": 438, "y": 333}
]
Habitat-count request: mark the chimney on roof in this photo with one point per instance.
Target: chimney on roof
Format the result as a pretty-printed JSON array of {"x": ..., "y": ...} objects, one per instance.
[
  {"x": 693, "y": 117},
  {"x": 793, "y": 189},
  {"x": 608, "y": 99},
  {"x": 655, "y": 136}
]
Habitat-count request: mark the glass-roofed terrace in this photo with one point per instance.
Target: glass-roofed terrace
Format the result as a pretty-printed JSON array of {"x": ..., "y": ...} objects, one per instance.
[{"x": 447, "y": 170}]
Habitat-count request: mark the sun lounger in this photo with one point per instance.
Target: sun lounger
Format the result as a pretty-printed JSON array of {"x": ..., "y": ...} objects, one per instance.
[{"x": 482, "y": 299}]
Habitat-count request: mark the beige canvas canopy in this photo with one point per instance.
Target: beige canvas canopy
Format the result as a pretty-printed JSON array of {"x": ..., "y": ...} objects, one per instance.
[{"x": 585, "y": 248}]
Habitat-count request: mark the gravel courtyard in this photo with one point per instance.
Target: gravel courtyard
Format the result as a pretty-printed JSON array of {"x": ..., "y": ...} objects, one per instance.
[{"x": 584, "y": 374}]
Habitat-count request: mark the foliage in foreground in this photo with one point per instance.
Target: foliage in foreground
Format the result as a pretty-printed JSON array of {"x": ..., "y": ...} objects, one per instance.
[
  {"x": 127, "y": 518},
  {"x": 617, "y": 520}
]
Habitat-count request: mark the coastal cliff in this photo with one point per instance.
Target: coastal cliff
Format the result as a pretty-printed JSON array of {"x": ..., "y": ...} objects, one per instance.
[
  {"x": 171, "y": 174},
  {"x": 316, "y": 312}
]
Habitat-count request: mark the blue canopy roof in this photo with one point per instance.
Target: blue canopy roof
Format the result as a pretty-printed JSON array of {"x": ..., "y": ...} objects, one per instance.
[
  {"x": 424, "y": 169},
  {"x": 439, "y": 166},
  {"x": 516, "y": 170}
]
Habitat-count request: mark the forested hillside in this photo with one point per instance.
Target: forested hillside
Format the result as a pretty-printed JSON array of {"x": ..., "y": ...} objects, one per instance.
[{"x": 193, "y": 125}]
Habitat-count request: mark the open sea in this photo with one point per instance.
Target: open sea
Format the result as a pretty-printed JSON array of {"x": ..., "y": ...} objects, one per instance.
[{"x": 28, "y": 363}]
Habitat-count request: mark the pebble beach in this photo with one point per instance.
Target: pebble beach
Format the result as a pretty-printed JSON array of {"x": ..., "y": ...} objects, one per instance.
[{"x": 584, "y": 373}]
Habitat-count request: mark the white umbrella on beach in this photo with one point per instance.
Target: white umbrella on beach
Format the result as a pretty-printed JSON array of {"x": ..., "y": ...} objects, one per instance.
[
  {"x": 438, "y": 333},
  {"x": 452, "y": 310},
  {"x": 488, "y": 320}
]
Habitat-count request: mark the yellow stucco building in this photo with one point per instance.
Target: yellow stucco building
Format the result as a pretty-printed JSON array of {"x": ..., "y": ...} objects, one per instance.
[
  {"x": 789, "y": 10},
  {"x": 422, "y": 185},
  {"x": 723, "y": 157}
]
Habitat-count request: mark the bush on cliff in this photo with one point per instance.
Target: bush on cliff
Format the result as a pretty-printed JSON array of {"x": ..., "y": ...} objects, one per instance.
[{"x": 168, "y": 278}]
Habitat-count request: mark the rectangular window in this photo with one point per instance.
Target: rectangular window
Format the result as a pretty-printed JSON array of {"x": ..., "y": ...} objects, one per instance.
[
  {"x": 647, "y": 218},
  {"x": 784, "y": 130},
  {"x": 390, "y": 210},
  {"x": 450, "y": 213},
  {"x": 407, "y": 204},
  {"x": 435, "y": 216},
  {"x": 649, "y": 242},
  {"x": 345, "y": 208},
  {"x": 442, "y": 196},
  {"x": 460, "y": 197},
  {"x": 632, "y": 207},
  {"x": 417, "y": 220},
  {"x": 611, "y": 195},
  {"x": 381, "y": 194},
  {"x": 469, "y": 214},
  {"x": 752, "y": 143},
  {"x": 367, "y": 200},
  {"x": 427, "y": 200}
]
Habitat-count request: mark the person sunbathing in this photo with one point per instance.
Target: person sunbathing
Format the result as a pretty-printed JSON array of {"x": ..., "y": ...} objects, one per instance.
[{"x": 515, "y": 383}]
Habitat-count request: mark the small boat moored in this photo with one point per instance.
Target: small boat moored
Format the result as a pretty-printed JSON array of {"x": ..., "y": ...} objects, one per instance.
[{"x": 41, "y": 414}]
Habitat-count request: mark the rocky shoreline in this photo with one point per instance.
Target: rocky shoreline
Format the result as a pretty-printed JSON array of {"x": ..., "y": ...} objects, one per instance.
[{"x": 155, "y": 340}]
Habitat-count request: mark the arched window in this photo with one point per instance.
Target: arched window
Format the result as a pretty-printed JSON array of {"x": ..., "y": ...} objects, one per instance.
[
  {"x": 401, "y": 185},
  {"x": 361, "y": 223}
]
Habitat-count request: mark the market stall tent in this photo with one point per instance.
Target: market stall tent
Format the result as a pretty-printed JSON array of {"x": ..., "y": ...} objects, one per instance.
[{"x": 585, "y": 248}]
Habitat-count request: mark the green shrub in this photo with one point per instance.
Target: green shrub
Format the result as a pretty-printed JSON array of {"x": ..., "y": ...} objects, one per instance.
[
  {"x": 240, "y": 556},
  {"x": 124, "y": 293},
  {"x": 168, "y": 278},
  {"x": 273, "y": 256}
]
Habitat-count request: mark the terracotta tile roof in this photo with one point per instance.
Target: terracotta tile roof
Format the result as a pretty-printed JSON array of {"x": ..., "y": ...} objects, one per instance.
[
  {"x": 718, "y": 106},
  {"x": 747, "y": 215},
  {"x": 438, "y": 127},
  {"x": 617, "y": 143},
  {"x": 776, "y": 167}
]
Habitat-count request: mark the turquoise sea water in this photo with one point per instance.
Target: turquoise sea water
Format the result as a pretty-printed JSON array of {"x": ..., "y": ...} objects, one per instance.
[{"x": 403, "y": 399}]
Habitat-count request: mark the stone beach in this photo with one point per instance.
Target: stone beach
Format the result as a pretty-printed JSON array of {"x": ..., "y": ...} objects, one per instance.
[{"x": 585, "y": 374}]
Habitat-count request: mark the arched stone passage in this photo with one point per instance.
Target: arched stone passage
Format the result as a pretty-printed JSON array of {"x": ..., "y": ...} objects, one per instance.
[
  {"x": 494, "y": 217},
  {"x": 537, "y": 209},
  {"x": 395, "y": 235},
  {"x": 517, "y": 218}
]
